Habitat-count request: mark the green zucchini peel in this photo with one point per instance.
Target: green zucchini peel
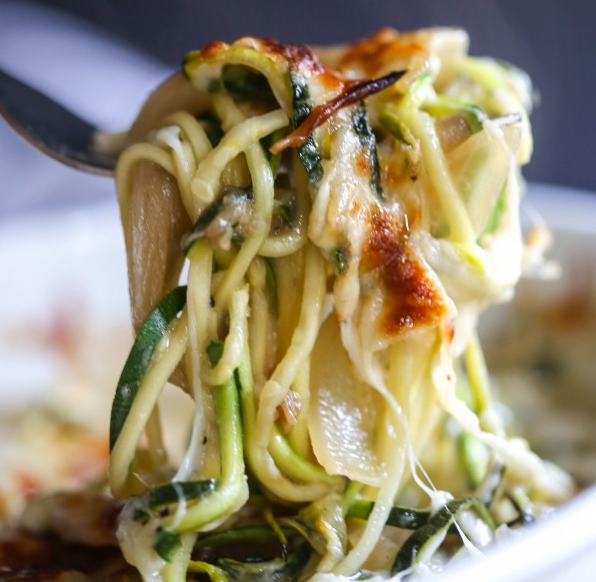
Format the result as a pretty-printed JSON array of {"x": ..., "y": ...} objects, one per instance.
[{"x": 152, "y": 331}]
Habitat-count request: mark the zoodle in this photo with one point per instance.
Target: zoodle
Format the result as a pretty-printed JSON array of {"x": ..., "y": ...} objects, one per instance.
[{"x": 311, "y": 237}]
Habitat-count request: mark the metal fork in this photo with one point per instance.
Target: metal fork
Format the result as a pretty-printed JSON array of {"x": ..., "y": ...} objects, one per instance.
[{"x": 51, "y": 128}]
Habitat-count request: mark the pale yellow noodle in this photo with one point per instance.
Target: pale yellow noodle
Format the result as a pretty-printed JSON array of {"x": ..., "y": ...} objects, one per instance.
[
  {"x": 201, "y": 459},
  {"x": 263, "y": 192},
  {"x": 234, "y": 342},
  {"x": 303, "y": 340},
  {"x": 260, "y": 320},
  {"x": 241, "y": 137}
]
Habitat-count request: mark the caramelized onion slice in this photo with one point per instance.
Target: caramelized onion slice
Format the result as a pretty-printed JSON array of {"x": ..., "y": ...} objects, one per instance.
[
  {"x": 356, "y": 91},
  {"x": 344, "y": 412},
  {"x": 159, "y": 223}
]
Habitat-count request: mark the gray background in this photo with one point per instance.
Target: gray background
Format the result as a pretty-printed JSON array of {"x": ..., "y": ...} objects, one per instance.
[{"x": 553, "y": 40}]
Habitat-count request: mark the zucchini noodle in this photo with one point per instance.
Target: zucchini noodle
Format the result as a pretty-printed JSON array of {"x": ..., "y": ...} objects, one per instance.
[{"x": 310, "y": 245}]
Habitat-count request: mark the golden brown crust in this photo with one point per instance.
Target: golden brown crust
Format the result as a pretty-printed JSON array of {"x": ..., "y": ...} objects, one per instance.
[
  {"x": 374, "y": 53},
  {"x": 412, "y": 299}
]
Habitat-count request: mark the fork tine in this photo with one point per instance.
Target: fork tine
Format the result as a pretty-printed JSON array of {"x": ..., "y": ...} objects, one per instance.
[{"x": 51, "y": 128}]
